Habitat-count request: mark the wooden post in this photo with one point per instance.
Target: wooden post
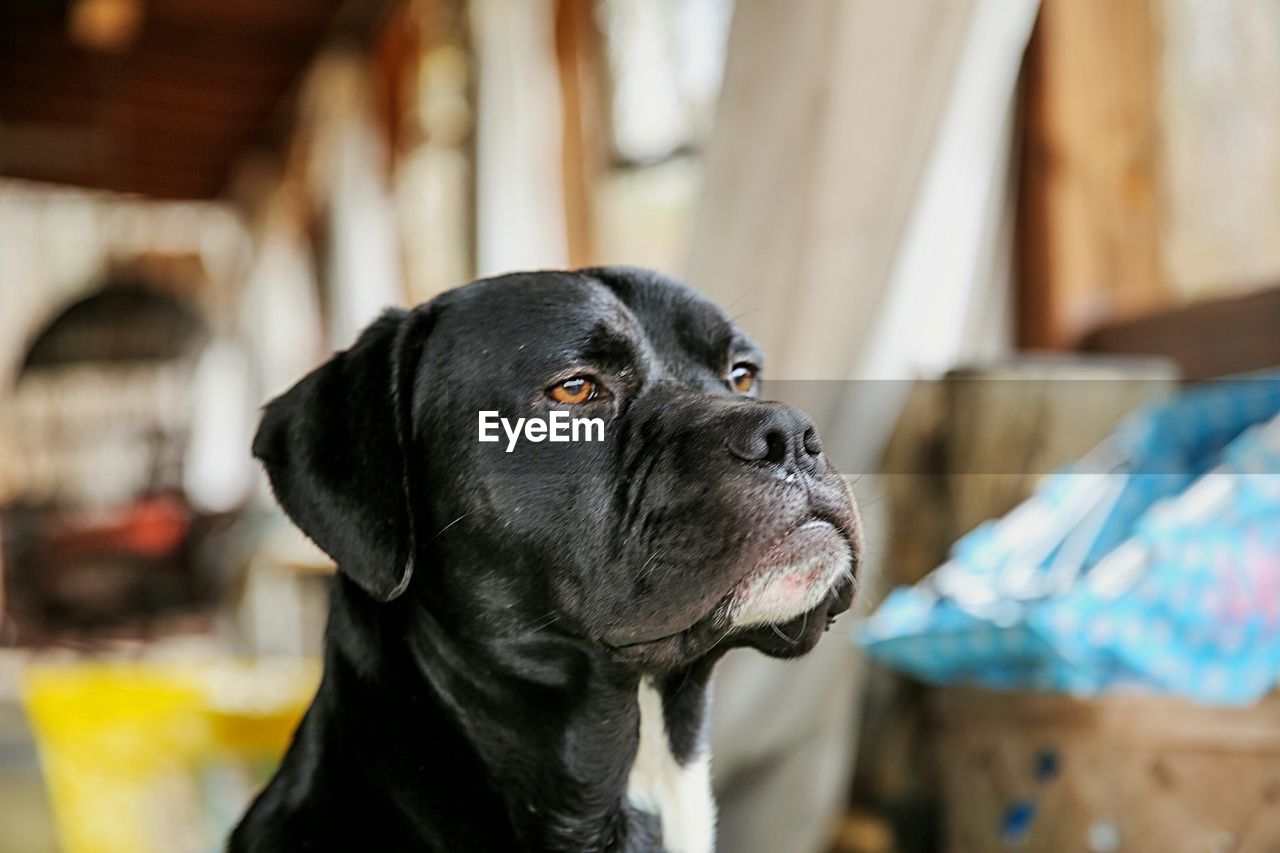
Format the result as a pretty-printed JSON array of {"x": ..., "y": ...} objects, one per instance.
[
  {"x": 1089, "y": 230},
  {"x": 577, "y": 48}
]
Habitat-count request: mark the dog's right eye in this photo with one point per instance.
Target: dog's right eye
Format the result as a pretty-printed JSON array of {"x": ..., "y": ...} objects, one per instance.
[
  {"x": 579, "y": 389},
  {"x": 743, "y": 377}
]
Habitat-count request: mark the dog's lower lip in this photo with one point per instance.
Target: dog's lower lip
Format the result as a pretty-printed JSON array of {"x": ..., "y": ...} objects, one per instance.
[{"x": 795, "y": 539}]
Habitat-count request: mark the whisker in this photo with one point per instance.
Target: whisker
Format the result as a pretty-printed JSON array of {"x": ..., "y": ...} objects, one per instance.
[
  {"x": 854, "y": 580},
  {"x": 873, "y": 501},
  {"x": 554, "y": 617},
  {"x": 441, "y": 531},
  {"x": 775, "y": 629},
  {"x": 652, "y": 557}
]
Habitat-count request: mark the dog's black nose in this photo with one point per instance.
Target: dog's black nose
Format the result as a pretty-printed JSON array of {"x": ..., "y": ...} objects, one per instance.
[{"x": 777, "y": 436}]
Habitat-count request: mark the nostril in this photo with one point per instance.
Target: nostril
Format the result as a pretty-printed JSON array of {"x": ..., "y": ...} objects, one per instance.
[
  {"x": 768, "y": 446},
  {"x": 749, "y": 447},
  {"x": 812, "y": 442},
  {"x": 776, "y": 443}
]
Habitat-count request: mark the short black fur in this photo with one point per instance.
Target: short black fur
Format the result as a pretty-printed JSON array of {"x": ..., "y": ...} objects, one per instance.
[{"x": 495, "y": 613}]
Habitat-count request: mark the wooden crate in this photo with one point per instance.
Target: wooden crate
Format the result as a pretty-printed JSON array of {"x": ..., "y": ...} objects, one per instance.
[{"x": 1133, "y": 773}]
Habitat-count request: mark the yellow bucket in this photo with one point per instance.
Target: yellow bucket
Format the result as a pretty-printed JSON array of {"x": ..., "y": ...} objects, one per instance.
[{"x": 143, "y": 757}]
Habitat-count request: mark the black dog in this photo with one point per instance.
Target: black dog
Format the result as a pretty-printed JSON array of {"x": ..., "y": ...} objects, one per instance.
[{"x": 521, "y": 635}]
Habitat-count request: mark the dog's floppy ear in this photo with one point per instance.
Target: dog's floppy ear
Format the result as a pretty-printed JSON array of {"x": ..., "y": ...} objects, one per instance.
[{"x": 336, "y": 447}]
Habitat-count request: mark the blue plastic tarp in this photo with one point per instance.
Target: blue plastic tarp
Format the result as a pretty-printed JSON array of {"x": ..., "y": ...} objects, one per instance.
[{"x": 1154, "y": 564}]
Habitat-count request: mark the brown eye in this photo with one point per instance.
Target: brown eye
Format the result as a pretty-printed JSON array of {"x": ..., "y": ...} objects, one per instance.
[
  {"x": 743, "y": 378},
  {"x": 579, "y": 389}
]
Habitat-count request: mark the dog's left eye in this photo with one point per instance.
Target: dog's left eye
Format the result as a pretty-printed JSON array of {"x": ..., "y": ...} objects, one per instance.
[
  {"x": 579, "y": 389},
  {"x": 743, "y": 377}
]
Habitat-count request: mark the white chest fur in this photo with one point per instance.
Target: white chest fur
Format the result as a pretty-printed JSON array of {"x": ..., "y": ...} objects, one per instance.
[{"x": 680, "y": 795}]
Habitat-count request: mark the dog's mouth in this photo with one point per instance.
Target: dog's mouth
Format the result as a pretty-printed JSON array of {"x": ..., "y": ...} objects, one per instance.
[
  {"x": 793, "y": 577},
  {"x": 811, "y": 568}
]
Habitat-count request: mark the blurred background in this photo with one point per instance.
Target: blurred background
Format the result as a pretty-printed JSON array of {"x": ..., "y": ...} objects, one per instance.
[{"x": 973, "y": 236}]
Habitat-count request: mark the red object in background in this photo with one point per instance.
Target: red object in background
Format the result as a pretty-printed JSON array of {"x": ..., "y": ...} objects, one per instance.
[
  {"x": 152, "y": 527},
  {"x": 74, "y": 572}
]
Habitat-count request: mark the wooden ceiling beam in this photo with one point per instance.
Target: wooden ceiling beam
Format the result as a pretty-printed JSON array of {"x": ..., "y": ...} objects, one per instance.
[
  {"x": 179, "y": 185},
  {"x": 241, "y": 68},
  {"x": 204, "y": 80},
  {"x": 131, "y": 115},
  {"x": 208, "y": 96}
]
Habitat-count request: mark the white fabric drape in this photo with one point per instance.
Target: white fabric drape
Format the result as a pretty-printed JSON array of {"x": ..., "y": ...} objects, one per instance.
[
  {"x": 856, "y": 212},
  {"x": 856, "y": 220}
]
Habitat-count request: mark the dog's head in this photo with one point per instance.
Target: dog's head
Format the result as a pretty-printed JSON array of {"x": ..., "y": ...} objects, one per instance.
[{"x": 693, "y": 515}]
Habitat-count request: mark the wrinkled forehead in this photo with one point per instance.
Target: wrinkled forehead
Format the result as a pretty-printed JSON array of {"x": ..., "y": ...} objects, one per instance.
[
  {"x": 539, "y": 323},
  {"x": 685, "y": 327}
]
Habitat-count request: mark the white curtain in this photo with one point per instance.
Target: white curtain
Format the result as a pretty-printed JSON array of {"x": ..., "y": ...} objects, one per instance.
[{"x": 856, "y": 220}]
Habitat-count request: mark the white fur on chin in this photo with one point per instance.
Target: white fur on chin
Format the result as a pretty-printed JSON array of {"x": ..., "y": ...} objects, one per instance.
[{"x": 784, "y": 591}]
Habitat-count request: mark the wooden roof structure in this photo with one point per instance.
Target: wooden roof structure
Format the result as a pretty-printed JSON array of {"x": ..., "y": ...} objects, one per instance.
[{"x": 156, "y": 97}]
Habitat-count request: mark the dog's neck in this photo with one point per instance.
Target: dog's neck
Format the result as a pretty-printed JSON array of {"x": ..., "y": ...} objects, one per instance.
[
  {"x": 582, "y": 752},
  {"x": 673, "y": 785}
]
